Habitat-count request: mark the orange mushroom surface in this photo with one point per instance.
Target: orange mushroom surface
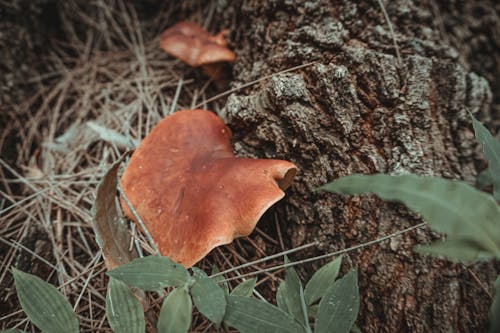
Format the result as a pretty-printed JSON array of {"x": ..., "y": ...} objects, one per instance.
[
  {"x": 190, "y": 190},
  {"x": 195, "y": 46}
]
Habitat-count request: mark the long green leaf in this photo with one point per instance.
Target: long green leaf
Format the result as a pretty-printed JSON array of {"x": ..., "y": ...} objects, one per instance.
[
  {"x": 495, "y": 309},
  {"x": 465, "y": 214},
  {"x": 294, "y": 296},
  {"x": 245, "y": 288},
  {"x": 44, "y": 305},
  {"x": 249, "y": 315},
  {"x": 339, "y": 307},
  {"x": 151, "y": 273},
  {"x": 218, "y": 279},
  {"x": 123, "y": 309},
  {"x": 175, "y": 313},
  {"x": 321, "y": 281},
  {"x": 209, "y": 299},
  {"x": 491, "y": 148},
  {"x": 280, "y": 297}
]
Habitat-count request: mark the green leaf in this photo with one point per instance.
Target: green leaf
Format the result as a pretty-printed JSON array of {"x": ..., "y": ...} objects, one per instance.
[
  {"x": 44, "y": 305},
  {"x": 123, "y": 309},
  {"x": 484, "y": 179},
  {"x": 280, "y": 297},
  {"x": 197, "y": 273},
  {"x": 209, "y": 299},
  {"x": 356, "y": 329},
  {"x": 321, "y": 281},
  {"x": 12, "y": 330},
  {"x": 466, "y": 215},
  {"x": 176, "y": 312},
  {"x": 218, "y": 279},
  {"x": 245, "y": 288},
  {"x": 495, "y": 309},
  {"x": 491, "y": 149},
  {"x": 151, "y": 273},
  {"x": 249, "y": 315},
  {"x": 294, "y": 295},
  {"x": 112, "y": 234},
  {"x": 339, "y": 307}
]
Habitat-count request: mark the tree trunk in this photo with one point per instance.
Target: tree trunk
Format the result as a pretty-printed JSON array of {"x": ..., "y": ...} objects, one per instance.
[{"x": 357, "y": 110}]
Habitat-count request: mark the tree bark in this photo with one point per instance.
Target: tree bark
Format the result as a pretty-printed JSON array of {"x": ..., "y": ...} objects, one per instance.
[{"x": 356, "y": 111}]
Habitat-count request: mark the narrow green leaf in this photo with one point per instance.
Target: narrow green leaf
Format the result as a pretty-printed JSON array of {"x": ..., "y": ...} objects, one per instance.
[
  {"x": 249, "y": 315},
  {"x": 491, "y": 149},
  {"x": 123, "y": 309},
  {"x": 280, "y": 297},
  {"x": 245, "y": 288},
  {"x": 12, "y": 330},
  {"x": 209, "y": 299},
  {"x": 321, "y": 281},
  {"x": 465, "y": 214},
  {"x": 151, "y": 273},
  {"x": 293, "y": 295},
  {"x": 176, "y": 312},
  {"x": 218, "y": 280},
  {"x": 44, "y": 305},
  {"x": 495, "y": 309},
  {"x": 456, "y": 249},
  {"x": 339, "y": 307}
]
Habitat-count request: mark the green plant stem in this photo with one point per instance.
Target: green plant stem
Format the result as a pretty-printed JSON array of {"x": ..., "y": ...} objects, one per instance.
[
  {"x": 327, "y": 255},
  {"x": 280, "y": 254},
  {"x": 139, "y": 220}
]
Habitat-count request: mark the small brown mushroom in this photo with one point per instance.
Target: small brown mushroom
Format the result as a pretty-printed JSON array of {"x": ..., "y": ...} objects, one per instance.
[
  {"x": 196, "y": 47},
  {"x": 190, "y": 190}
]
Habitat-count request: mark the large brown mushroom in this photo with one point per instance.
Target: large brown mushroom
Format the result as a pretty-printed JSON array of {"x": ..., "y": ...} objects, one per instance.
[
  {"x": 190, "y": 190},
  {"x": 196, "y": 47}
]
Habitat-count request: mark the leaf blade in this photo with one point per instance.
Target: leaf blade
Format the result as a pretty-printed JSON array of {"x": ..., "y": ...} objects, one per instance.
[
  {"x": 151, "y": 273},
  {"x": 123, "y": 309},
  {"x": 209, "y": 299},
  {"x": 452, "y": 207},
  {"x": 245, "y": 289},
  {"x": 491, "y": 149},
  {"x": 294, "y": 296},
  {"x": 175, "y": 313},
  {"x": 322, "y": 279},
  {"x": 339, "y": 307},
  {"x": 43, "y": 304},
  {"x": 249, "y": 315}
]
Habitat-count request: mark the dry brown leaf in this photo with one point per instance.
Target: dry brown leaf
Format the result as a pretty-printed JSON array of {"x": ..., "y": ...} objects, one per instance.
[{"x": 111, "y": 233}]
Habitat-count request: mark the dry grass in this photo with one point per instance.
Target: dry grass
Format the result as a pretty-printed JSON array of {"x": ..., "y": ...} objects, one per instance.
[{"x": 97, "y": 102}]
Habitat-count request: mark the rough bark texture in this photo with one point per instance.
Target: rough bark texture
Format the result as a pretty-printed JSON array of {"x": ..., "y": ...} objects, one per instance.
[{"x": 354, "y": 111}]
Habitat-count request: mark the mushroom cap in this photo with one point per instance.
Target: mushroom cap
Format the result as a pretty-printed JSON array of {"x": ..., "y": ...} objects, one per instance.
[
  {"x": 190, "y": 190},
  {"x": 194, "y": 45}
]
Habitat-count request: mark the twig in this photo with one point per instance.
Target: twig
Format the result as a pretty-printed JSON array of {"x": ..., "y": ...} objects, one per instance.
[
  {"x": 389, "y": 23},
  {"x": 327, "y": 255}
]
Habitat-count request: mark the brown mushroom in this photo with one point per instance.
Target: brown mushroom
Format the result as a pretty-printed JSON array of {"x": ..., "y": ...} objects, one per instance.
[
  {"x": 190, "y": 190},
  {"x": 196, "y": 47}
]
